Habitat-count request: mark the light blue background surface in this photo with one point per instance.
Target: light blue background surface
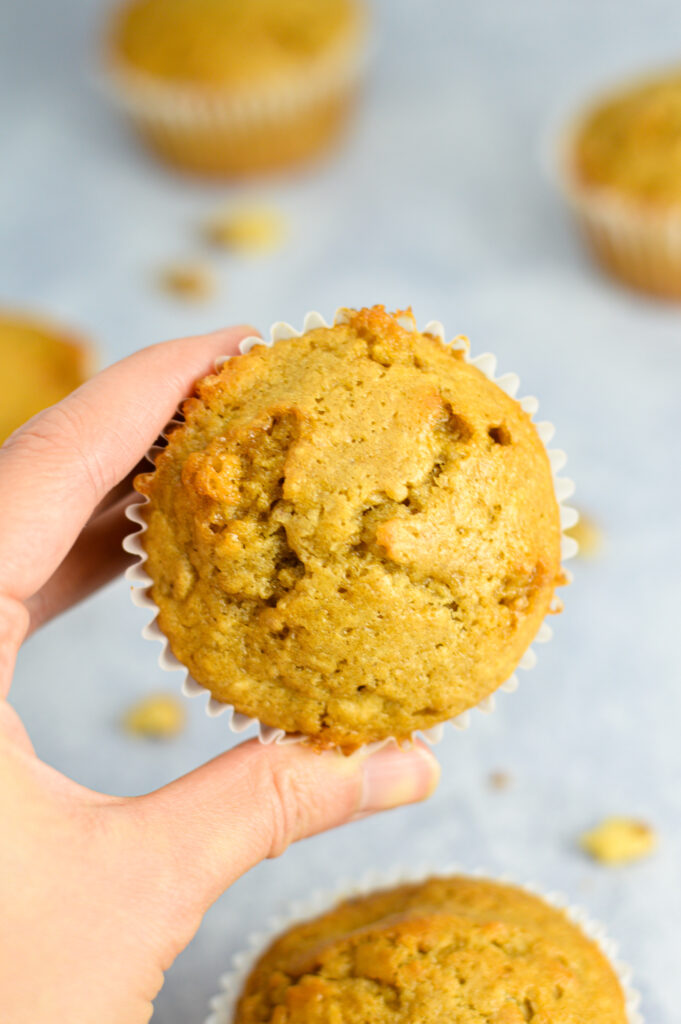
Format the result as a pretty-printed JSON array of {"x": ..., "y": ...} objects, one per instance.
[{"x": 438, "y": 200}]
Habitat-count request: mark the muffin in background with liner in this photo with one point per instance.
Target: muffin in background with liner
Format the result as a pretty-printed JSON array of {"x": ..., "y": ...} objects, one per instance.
[
  {"x": 40, "y": 363},
  {"x": 353, "y": 534},
  {"x": 227, "y": 88},
  {"x": 456, "y": 949},
  {"x": 620, "y": 165}
]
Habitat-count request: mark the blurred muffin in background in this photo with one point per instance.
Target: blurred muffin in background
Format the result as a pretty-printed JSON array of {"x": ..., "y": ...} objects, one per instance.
[
  {"x": 622, "y": 166},
  {"x": 39, "y": 365},
  {"x": 228, "y": 88}
]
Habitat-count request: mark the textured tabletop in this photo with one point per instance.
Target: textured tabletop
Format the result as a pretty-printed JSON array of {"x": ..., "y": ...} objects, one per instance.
[{"x": 439, "y": 199}]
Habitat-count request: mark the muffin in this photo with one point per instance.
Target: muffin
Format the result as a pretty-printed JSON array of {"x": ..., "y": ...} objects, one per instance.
[
  {"x": 39, "y": 364},
  {"x": 353, "y": 534},
  {"x": 223, "y": 87},
  {"x": 453, "y": 950},
  {"x": 623, "y": 171}
]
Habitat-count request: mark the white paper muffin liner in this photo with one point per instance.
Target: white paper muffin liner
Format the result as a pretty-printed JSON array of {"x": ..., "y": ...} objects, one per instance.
[
  {"x": 637, "y": 243},
  {"x": 164, "y": 103},
  {"x": 239, "y": 723},
  {"x": 231, "y": 984}
]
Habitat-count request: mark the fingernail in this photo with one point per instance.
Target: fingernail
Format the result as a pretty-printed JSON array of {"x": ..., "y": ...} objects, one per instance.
[{"x": 393, "y": 776}]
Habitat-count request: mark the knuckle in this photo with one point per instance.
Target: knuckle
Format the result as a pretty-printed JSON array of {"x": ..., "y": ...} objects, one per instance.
[
  {"x": 58, "y": 431},
  {"x": 55, "y": 426},
  {"x": 287, "y": 805}
]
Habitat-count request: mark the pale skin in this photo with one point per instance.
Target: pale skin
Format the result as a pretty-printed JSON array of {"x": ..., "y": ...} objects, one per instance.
[{"x": 99, "y": 894}]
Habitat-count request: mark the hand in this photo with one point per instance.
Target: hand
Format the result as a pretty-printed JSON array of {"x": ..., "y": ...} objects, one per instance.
[{"x": 98, "y": 894}]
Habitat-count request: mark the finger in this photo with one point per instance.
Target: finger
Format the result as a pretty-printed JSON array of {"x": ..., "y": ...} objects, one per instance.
[
  {"x": 57, "y": 468},
  {"x": 209, "y": 827},
  {"x": 95, "y": 559}
]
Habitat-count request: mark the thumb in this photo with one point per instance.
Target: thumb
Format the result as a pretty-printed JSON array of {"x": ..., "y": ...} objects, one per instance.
[{"x": 212, "y": 825}]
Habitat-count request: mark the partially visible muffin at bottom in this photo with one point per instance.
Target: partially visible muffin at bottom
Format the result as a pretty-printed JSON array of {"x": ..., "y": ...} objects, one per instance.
[
  {"x": 446, "y": 951},
  {"x": 354, "y": 534}
]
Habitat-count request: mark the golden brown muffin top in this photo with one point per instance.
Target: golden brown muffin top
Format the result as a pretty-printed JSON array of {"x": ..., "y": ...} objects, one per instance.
[
  {"x": 447, "y": 951},
  {"x": 230, "y": 42},
  {"x": 354, "y": 535},
  {"x": 632, "y": 142},
  {"x": 38, "y": 366}
]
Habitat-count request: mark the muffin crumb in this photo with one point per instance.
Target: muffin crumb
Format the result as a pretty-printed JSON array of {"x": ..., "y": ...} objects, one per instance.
[
  {"x": 619, "y": 841},
  {"x": 500, "y": 780},
  {"x": 158, "y": 716},
  {"x": 246, "y": 229},
  {"x": 193, "y": 281},
  {"x": 588, "y": 535}
]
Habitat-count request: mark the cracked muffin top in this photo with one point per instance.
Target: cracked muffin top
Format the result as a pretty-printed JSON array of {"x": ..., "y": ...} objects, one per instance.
[
  {"x": 354, "y": 533},
  {"x": 447, "y": 951}
]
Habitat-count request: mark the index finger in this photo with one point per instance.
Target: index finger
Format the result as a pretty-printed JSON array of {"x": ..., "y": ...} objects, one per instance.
[{"x": 59, "y": 466}]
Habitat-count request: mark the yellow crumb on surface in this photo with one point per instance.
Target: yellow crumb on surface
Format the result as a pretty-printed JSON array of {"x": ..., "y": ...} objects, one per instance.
[
  {"x": 194, "y": 281},
  {"x": 500, "y": 780},
  {"x": 246, "y": 228},
  {"x": 619, "y": 841},
  {"x": 588, "y": 535},
  {"x": 158, "y": 716}
]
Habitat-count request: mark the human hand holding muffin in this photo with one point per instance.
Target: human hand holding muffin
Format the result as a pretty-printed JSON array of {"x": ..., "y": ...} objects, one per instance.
[{"x": 103, "y": 892}]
